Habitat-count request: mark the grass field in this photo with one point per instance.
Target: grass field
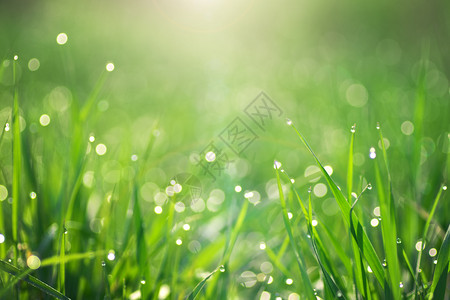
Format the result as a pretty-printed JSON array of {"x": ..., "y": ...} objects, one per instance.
[{"x": 224, "y": 150}]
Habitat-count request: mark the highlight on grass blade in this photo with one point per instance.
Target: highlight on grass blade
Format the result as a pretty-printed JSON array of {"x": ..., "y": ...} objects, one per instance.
[{"x": 198, "y": 288}]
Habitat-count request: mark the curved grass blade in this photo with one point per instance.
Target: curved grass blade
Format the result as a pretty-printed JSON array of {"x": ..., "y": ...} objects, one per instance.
[
  {"x": 301, "y": 265},
  {"x": 16, "y": 272},
  {"x": 198, "y": 288},
  {"x": 438, "y": 285},
  {"x": 425, "y": 233},
  {"x": 388, "y": 225},
  {"x": 365, "y": 246}
]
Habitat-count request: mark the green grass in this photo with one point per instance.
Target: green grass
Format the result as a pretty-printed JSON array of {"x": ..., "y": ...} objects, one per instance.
[{"x": 329, "y": 222}]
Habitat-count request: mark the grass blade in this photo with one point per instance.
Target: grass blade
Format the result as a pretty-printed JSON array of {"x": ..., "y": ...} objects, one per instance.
[
  {"x": 425, "y": 233},
  {"x": 16, "y": 272},
  {"x": 365, "y": 246},
  {"x": 301, "y": 265},
  {"x": 17, "y": 162},
  {"x": 198, "y": 288}
]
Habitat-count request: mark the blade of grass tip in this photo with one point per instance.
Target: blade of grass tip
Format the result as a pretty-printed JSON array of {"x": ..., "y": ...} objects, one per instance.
[
  {"x": 331, "y": 288},
  {"x": 359, "y": 274},
  {"x": 106, "y": 281},
  {"x": 350, "y": 164},
  {"x": 229, "y": 246},
  {"x": 62, "y": 265},
  {"x": 440, "y": 275},
  {"x": 425, "y": 232},
  {"x": 198, "y": 288},
  {"x": 318, "y": 245},
  {"x": 392, "y": 214},
  {"x": 14, "y": 271},
  {"x": 309, "y": 291},
  {"x": 389, "y": 234},
  {"x": 359, "y": 271},
  {"x": 17, "y": 162},
  {"x": 86, "y": 109},
  {"x": 360, "y": 236}
]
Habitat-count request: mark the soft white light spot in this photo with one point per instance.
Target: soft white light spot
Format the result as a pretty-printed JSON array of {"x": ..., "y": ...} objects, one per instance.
[
  {"x": 357, "y": 95},
  {"x": 158, "y": 210},
  {"x": 320, "y": 190},
  {"x": 61, "y": 39},
  {"x": 266, "y": 267},
  {"x": 179, "y": 242},
  {"x": 7, "y": 127},
  {"x": 265, "y": 296},
  {"x": 16, "y": 57},
  {"x": 179, "y": 207},
  {"x": 369, "y": 269},
  {"x": 33, "y": 195},
  {"x": 419, "y": 246},
  {"x": 44, "y": 120},
  {"x": 314, "y": 223},
  {"x": 177, "y": 188},
  {"x": 376, "y": 211},
  {"x": 374, "y": 222},
  {"x": 186, "y": 227},
  {"x": 3, "y": 192},
  {"x": 2, "y": 238},
  {"x": 290, "y": 215},
  {"x": 432, "y": 252},
  {"x": 134, "y": 157},
  {"x": 444, "y": 187},
  {"x": 407, "y": 128},
  {"x": 270, "y": 280},
  {"x": 262, "y": 245},
  {"x": 33, "y": 64},
  {"x": 329, "y": 170},
  {"x": 210, "y": 156},
  {"x": 164, "y": 291},
  {"x": 111, "y": 255},
  {"x": 33, "y": 262},
  {"x": 294, "y": 296},
  {"x": 238, "y": 189},
  {"x": 100, "y": 149},
  {"x": 289, "y": 281},
  {"x": 91, "y": 138},
  {"x": 110, "y": 67}
]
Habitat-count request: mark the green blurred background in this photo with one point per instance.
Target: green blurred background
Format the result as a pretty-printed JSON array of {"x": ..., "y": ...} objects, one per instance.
[{"x": 193, "y": 66}]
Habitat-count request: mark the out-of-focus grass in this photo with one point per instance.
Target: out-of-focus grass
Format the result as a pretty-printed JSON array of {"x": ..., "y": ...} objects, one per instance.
[{"x": 173, "y": 90}]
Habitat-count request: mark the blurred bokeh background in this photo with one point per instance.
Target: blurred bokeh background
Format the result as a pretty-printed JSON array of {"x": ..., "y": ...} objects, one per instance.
[{"x": 185, "y": 69}]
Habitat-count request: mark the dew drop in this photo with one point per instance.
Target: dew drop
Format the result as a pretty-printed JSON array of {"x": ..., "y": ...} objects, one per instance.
[
  {"x": 276, "y": 164},
  {"x": 222, "y": 268},
  {"x": 401, "y": 284},
  {"x": 435, "y": 261},
  {"x": 142, "y": 281},
  {"x": 289, "y": 122},
  {"x": 292, "y": 180},
  {"x": 399, "y": 241},
  {"x": 444, "y": 187},
  {"x": 369, "y": 186},
  {"x": 308, "y": 236},
  {"x": 353, "y": 129},
  {"x": 378, "y": 125},
  {"x": 384, "y": 263},
  {"x": 103, "y": 263}
]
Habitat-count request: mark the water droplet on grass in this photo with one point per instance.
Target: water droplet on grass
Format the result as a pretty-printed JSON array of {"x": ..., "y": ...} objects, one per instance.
[
  {"x": 103, "y": 264},
  {"x": 369, "y": 186},
  {"x": 222, "y": 268},
  {"x": 399, "y": 241},
  {"x": 353, "y": 129},
  {"x": 276, "y": 164},
  {"x": 378, "y": 125},
  {"x": 400, "y": 284},
  {"x": 444, "y": 187},
  {"x": 289, "y": 122}
]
